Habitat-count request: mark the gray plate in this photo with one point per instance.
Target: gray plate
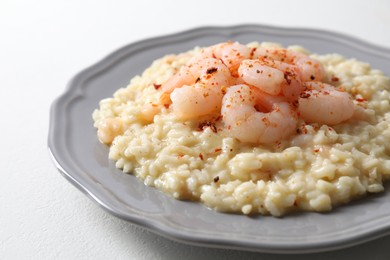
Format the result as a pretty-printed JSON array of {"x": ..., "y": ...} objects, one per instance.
[{"x": 83, "y": 160}]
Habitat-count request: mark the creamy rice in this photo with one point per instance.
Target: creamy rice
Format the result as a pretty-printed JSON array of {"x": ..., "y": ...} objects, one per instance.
[{"x": 314, "y": 170}]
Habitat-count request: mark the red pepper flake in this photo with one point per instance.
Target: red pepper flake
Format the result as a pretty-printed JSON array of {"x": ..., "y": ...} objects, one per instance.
[
  {"x": 253, "y": 52},
  {"x": 211, "y": 70},
  {"x": 287, "y": 76},
  {"x": 216, "y": 179},
  {"x": 223, "y": 90},
  {"x": 180, "y": 156},
  {"x": 205, "y": 124},
  {"x": 197, "y": 80},
  {"x": 361, "y": 100},
  {"x": 312, "y": 77},
  {"x": 166, "y": 105},
  {"x": 201, "y": 156},
  {"x": 316, "y": 150},
  {"x": 217, "y": 150},
  {"x": 304, "y": 95},
  {"x": 219, "y": 118},
  {"x": 156, "y": 86},
  {"x": 334, "y": 79}
]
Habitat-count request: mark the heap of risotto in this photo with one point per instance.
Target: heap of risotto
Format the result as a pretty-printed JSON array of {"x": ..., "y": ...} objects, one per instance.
[{"x": 253, "y": 129}]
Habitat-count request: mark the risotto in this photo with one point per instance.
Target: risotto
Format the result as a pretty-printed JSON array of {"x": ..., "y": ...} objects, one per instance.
[{"x": 272, "y": 152}]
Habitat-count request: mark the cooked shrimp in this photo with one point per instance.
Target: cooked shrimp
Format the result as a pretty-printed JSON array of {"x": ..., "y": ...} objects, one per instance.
[
  {"x": 263, "y": 77},
  {"x": 230, "y": 53},
  {"x": 209, "y": 71},
  {"x": 267, "y": 85},
  {"x": 323, "y": 103},
  {"x": 272, "y": 77},
  {"x": 249, "y": 125},
  {"x": 309, "y": 68},
  {"x": 196, "y": 100},
  {"x": 275, "y": 53},
  {"x": 198, "y": 89},
  {"x": 292, "y": 86}
]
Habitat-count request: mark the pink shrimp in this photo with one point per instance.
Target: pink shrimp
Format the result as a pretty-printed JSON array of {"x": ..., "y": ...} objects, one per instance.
[
  {"x": 247, "y": 124},
  {"x": 230, "y": 53},
  {"x": 309, "y": 69},
  {"x": 272, "y": 77},
  {"x": 323, "y": 103}
]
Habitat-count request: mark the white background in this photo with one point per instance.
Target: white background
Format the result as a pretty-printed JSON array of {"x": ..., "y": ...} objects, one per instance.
[{"x": 44, "y": 43}]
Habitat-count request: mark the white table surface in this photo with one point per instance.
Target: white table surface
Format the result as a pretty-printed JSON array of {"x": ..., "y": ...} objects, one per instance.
[{"x": 44, "y": 43}]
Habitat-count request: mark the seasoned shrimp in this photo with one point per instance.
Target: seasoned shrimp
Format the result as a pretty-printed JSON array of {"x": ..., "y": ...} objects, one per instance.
[
  {"x": 257, "y": 91},
  {"x": 266, "y": 78},
  {"x": 309, "y": 68},
  {"x": 209, "y": 71},
  {"x": 230, "y": 53},
  {"x": 196, "y": 100},
  {"x": 323, "y": 103},
  {"x": 276, "y": 53},
  {"x": 272, "y": 77},
  {"x": 199, "y": 89},
  {"x": 249, "y": 125}
]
